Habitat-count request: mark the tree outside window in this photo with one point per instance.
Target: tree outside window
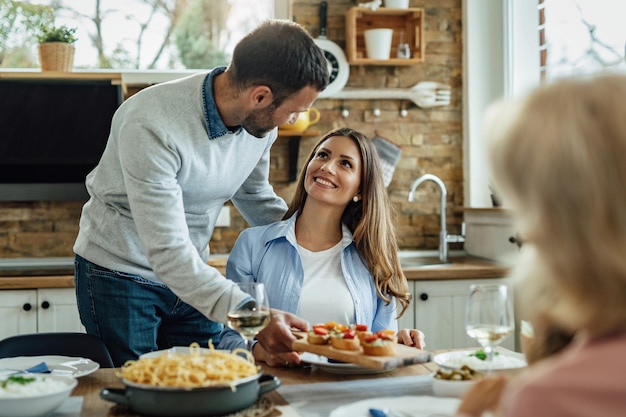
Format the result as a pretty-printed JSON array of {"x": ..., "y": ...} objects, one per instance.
[
  {"x": 132, "y": 34},
  {"x": 581, "y": 36}
]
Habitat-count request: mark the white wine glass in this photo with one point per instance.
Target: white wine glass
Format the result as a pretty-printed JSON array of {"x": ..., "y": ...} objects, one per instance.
[
  {"x": 489, "y": 317},
  {"x": 249, "y": 317}
]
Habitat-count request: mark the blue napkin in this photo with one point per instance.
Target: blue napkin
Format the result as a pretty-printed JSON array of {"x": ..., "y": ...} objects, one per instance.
[{"x": 40, "y": 368}]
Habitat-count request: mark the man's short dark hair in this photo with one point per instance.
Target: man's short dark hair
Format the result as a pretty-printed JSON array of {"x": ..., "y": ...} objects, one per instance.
[{"x": 282, "y": 55}]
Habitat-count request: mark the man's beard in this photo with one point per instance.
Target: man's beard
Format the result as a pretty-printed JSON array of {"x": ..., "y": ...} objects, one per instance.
[{"x": 260, "y": 122}]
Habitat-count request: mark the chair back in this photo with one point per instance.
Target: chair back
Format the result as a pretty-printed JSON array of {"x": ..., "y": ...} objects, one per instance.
[{"x": 61, "y": 343}]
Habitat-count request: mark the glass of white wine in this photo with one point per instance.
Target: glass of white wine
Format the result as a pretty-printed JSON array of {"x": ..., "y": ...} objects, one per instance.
[
  {"x": 251, "y": 316},
  {"x": 489, "y": 317}
]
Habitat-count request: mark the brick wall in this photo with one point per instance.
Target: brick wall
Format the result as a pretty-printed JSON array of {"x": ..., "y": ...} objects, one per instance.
[{"x": 431, "y": 141}]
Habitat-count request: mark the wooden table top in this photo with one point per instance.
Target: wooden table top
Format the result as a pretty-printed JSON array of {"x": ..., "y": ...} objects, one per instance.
[{"x": 89, "y": 386}]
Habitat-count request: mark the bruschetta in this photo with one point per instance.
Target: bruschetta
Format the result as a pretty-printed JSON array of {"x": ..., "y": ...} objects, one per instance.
[
  {"x": 379, "y": 344},
  {"x": 345, "y": 340},
  {"x": 318, "y": 335}
]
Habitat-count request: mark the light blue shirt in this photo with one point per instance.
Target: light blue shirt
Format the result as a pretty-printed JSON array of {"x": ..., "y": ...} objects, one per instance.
[{"x": 269, "y": 254}]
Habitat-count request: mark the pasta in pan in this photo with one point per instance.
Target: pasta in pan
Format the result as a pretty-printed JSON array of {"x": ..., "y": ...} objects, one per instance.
[{"x": 192, "y": 370}]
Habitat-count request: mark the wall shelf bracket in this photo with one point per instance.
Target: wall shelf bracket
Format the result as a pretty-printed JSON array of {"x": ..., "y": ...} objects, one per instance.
[{"x": 424, "y": 94}]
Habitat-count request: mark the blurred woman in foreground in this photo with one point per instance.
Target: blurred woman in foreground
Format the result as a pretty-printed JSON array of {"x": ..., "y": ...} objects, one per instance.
[{"x": 557, "y": 156}]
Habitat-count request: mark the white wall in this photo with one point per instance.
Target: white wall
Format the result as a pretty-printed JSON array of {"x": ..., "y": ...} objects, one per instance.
[{"x": 500, "y": 59}]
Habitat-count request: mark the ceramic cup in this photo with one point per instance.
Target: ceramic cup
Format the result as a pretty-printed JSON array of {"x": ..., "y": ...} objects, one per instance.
[
  {"x": 397, "y": 4},
  {"x": 378, "y": 43},
  {"x": 304, "y": 120}
]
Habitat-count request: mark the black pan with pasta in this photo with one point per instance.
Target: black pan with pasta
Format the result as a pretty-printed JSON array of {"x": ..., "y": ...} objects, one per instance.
[
  {"x": 192, "y": 402},
  {"x": 196, "y": 384}
]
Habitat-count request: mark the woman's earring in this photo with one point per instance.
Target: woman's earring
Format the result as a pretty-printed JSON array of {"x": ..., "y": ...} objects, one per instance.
[{"x": 355, "y": 198}]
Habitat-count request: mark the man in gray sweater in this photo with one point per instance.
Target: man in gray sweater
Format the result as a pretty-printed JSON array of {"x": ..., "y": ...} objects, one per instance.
[{"x": 176, "y": 153}]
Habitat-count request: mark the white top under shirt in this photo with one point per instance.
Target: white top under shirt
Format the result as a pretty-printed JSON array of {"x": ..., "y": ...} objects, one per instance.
[{"x": 325, "y": 295}]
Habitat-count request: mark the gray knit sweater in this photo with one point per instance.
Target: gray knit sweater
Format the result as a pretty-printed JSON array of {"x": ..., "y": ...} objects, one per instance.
[{"x": 169, "y": 166}]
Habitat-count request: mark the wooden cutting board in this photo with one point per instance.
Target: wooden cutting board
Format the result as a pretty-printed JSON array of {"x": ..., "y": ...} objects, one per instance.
[{"x": 405, "y": 355}]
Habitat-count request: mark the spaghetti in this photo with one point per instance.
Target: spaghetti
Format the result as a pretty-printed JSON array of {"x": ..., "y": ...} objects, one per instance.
[{"x": 192, "y": 370}]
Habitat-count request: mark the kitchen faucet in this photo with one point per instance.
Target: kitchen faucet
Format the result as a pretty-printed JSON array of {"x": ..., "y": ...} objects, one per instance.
[{"x": 443, "y": 234}]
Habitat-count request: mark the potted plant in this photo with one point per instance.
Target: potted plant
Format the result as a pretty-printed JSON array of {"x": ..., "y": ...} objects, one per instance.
[{"x": 56, "y": 48}]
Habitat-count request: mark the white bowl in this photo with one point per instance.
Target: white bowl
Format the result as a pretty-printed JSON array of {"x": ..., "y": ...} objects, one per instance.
[
  {"x": 503, "y": 361},
  {"x": 451, "y": 388},
  {"x": 33, "y": 404}
]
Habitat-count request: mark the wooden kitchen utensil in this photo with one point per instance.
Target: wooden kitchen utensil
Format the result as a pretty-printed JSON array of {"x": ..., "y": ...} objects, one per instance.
[{"x": 405, "y": 355}]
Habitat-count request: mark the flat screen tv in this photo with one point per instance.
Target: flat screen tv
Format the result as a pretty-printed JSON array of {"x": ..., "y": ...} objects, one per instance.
[{"x": 52, "y": 133}]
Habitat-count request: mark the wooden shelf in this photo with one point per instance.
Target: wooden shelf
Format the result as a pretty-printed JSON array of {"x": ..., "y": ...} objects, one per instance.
[
  {"x": 114, "y": 77},
  {"x": 73, "y": 76},
  {"x": 293, "y": 133},
  {"x": 411, "y": 21}
]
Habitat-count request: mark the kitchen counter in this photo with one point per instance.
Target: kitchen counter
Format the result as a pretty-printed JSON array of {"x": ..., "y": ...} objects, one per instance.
[
  {"x": 464, "y": 267},
  {"x": 31, "y": 273},
  {"x": 34, "y": 273}
]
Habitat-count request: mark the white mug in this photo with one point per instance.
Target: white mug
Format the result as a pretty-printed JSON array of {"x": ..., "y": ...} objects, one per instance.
[
  {"x": 378, "y": 43},
  {"x": 397, "y": 4}
]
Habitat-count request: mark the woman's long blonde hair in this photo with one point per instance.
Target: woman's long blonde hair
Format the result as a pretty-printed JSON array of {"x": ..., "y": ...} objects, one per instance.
[
  {"x": 371, "y": 220},
  {"x": 559, "y": 158}
]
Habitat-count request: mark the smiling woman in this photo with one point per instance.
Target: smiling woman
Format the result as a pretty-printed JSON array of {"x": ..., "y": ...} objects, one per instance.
[{"x": 141, "y": 34}]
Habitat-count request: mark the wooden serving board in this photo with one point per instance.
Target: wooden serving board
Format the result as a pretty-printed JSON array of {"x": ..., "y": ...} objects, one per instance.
[{"x": 405, "y": 355}]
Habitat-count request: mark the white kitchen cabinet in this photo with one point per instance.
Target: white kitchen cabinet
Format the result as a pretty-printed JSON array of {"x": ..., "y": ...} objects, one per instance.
[
  {"x": 438, "y": 310},
  {"x": 38, "y": 311}
]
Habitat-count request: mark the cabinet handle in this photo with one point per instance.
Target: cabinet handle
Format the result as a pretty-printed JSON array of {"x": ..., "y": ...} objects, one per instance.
[
  {"x": 27, "y": 307},
  {"x": 45, "y": 305},
  {"x": 423, "y": 296}
]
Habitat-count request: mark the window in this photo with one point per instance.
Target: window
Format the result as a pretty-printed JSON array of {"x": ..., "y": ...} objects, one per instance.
[
  {"x": 136, "y": 34},
  {"x": 502, "y": 52},
  {"x": 581, "y": 36}
]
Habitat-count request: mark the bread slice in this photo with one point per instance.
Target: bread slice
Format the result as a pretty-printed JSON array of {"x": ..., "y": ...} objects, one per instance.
[
  {"x": 381, "y": 343},
  {"x": 318, "y": 335},
  {"x": 345, "y": 340},
  {"x": 386, "y": 348}
]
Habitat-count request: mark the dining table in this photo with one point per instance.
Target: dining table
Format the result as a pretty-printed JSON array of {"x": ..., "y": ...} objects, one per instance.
[{"x": 305, "y": 391}]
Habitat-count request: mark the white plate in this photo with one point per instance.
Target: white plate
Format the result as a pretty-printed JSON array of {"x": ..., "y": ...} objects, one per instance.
[
  {"x": 184, "y": 350},
  {"x": 415, "y": 406},
  {"x": 341, "y": 368},
  {"x": 502, "y": 361},
  {"x": 59, "y": 365}
]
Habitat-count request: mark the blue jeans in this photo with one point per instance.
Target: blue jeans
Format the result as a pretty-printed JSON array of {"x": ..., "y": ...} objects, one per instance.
[{"x": 133, "y": 315}]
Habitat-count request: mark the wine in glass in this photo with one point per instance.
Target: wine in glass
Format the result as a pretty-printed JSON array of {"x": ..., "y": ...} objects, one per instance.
[
  {"x": 248, "y": 317},
  {"x": 489, "y": 317}
]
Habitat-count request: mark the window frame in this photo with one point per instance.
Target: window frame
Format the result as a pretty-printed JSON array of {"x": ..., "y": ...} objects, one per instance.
[{"x": 500, "y": 60}]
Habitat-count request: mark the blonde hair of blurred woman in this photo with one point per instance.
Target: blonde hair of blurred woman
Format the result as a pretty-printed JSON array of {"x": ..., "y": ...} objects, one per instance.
[
  {"x": 371, "y": 219},
  {"x": 559, "y": 159}
]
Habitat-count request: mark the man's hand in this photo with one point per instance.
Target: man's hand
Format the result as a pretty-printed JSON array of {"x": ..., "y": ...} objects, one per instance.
[
  {"x": 280, "y": 360},
  {"x": 277, "y": 337}
]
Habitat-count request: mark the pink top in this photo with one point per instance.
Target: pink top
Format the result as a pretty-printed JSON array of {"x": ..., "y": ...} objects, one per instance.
[{"x": 587, "y": 379}]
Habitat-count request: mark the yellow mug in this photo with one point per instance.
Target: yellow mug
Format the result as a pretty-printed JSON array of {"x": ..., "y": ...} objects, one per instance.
[{"x": 304, "y": 120}]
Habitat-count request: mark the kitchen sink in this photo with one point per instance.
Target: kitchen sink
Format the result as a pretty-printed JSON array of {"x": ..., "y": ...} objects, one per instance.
[
  {"x": 423, "y": 262},
  {"x": 425, "y": 259}
]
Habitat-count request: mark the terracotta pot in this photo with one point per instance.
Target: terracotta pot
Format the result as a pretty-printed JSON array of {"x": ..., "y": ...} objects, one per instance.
[{"x": 56, "y": 56}]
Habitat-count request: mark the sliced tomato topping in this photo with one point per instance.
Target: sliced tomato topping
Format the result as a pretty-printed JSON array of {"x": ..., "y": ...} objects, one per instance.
[
  {"x": 322, "y": 331},
  {"x": 370, "y": 339},
  {"x": 361, "y": 327},
  {"x": 349, "y": 334}
]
